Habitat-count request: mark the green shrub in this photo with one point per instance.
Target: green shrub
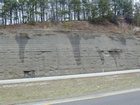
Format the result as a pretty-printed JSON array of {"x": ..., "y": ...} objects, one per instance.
[
  {"x": 67, "y": 25},
  {"x": 47, "y": 25},
  {"x": 32, "y": 22},
  {"x": 98, "y": 20}
]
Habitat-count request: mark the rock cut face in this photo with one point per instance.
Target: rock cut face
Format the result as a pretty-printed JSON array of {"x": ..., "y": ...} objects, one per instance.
[{"x": 49, "y": 53}]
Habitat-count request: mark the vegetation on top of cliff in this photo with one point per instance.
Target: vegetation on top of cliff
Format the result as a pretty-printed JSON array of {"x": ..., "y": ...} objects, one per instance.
[{"x": 96, "y": 11}]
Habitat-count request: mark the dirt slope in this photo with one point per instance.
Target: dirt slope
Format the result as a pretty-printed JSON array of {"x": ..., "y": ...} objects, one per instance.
[{"x": 70, "y": 25}]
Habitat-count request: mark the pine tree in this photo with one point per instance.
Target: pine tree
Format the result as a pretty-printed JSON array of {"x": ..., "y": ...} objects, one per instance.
[
  {"x": 76, "y": 8},
  {"x": 128, "y": 10},
  {"x": 137, "y": 15}
]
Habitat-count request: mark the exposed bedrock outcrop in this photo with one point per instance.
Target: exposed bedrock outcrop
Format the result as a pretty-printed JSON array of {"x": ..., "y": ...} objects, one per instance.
[{"x": 37, "y": 53}]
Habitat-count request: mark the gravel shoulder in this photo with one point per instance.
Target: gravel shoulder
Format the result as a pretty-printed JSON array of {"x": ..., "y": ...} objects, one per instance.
[{"x": 58, "y": 89}]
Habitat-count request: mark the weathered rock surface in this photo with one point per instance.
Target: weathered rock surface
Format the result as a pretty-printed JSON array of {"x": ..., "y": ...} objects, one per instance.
[{"x": 37, "y": 53}]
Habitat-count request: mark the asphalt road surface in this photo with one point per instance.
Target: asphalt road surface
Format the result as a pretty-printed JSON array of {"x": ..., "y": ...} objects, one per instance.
[{"x": 132, "y": 98}]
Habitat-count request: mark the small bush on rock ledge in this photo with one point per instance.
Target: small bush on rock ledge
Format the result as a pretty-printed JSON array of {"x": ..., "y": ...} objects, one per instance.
[{"x": 32, "y": 22}]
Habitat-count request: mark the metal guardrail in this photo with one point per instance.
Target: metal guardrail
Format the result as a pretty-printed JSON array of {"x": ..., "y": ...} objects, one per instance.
[{"x": 25, "y": 80}]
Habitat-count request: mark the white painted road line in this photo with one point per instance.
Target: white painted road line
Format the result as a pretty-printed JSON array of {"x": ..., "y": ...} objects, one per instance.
[
  {"x": 67, "y": 77},
  {"x": 82, "y": 98}
]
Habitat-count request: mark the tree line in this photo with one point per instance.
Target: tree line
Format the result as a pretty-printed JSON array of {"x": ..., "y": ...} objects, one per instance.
[{"x": 96, "y": 11}]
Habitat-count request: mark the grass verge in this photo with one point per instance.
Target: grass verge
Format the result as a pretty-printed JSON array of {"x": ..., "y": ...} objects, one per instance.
[{"x": 48, "y": 90}]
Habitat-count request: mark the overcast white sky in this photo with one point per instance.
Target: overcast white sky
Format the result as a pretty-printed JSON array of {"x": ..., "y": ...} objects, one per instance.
[{"x": 136, "y": 0}]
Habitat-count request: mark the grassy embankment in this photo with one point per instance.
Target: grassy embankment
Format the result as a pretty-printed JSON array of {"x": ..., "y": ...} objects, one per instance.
[{"x": 48, "y": 90}]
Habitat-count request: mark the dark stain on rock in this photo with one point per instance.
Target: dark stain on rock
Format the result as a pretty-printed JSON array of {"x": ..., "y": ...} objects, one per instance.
[
  {"x": 22, "y": 40},
  {"x": 88, "y": 37},
  {"x": 111, "y": 37},
  {"x": 101, "y": 56},
  {"x": 121, "y": 39},
  {"x": 115, "y": 55},
  {"x": 75, "y": 42}
]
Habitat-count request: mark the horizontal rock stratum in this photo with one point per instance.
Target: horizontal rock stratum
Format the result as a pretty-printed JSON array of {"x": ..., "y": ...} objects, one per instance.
[{"x": 37, "y": 53}]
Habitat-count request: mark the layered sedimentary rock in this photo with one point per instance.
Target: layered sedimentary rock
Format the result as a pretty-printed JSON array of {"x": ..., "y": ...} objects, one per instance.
[{"x": 39, "y": 53}]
